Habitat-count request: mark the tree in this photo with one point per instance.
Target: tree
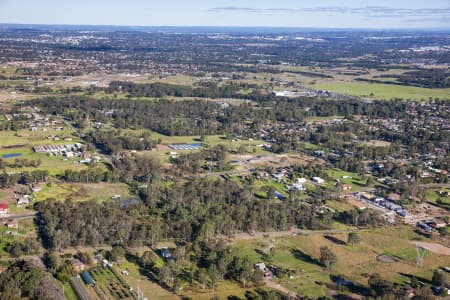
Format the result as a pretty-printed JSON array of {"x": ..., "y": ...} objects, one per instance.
[
  {"x": 246, "y": 272},
  {"x": 202, "y": 277},
  {"x": 379, "y": 286},
  {"x": 214, "y": 275},
  {"x": 166, "y": 274},
  {"x": 179, "y": 254},
  {"x": 439, "y": 278},
  {"x": 327, "y": 258},
  {"x": 53, "y": 261},
  {"x": 353, "y": 238},
  {"x": 223, "y": 262},
  {"x": 117, "y": 252},
  {"x": 424, "y": 293}
]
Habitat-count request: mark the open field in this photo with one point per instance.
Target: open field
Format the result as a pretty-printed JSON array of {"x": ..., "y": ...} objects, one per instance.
[
  {"x": 28, "y": 137},
  {"x": 301, "y": 253},
  {"x": 223, "y": 290},
  {"x": 383, "y": 91},
  {"x": 440, "y": 197},
  {"x": 352, "y": 179},
  {"x": 135, "y": 278},
  {"x": 98, "y": 192}
]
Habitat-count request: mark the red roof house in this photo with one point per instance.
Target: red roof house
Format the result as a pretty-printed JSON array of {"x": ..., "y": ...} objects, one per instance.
[{"x": 3, "y": 209}]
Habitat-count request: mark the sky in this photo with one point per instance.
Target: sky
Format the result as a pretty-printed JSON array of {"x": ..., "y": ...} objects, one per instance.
[{"x": 251, "y": 13}]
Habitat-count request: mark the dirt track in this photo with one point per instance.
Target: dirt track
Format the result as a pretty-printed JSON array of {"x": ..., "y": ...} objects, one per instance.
[
  {"x": 433, "y": 247},
  {"x": 273, "y": 285}
]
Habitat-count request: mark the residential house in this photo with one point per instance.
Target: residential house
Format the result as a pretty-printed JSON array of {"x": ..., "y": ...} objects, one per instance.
[
  {"x": 35, "y": 188},
  {"x": 4, "y": 209},
  {"x": 318, "y": 180},
  {"x": 78, "y": 266},
  {"x": 346, "y": 187},
  {"x": 12, "y": 224},
  {"x": 22, "y": 199}
]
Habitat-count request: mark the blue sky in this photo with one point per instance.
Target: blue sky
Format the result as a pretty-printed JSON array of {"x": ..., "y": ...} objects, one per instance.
[{"x": 280, "y": 13}]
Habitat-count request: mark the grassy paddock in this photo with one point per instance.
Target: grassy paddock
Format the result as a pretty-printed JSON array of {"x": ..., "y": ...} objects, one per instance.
[
  {"x": 99, "y": 192},
  {"x": 301, "y": 254},
  {"x": 383, "y": 91}
]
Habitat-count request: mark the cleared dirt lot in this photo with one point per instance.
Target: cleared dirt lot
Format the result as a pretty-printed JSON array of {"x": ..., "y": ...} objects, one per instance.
[{"x": 433, "y": 247}]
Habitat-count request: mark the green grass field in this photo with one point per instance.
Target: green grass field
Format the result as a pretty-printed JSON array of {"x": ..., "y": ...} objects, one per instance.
[
  {"x": 355, "y": 181},
  {"x": 99, "y": 192},
  {"x": 383, "y": 91},
  {"x": 433, "y": 196}
]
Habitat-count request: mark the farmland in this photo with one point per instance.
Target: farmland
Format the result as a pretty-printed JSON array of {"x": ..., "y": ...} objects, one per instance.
[
  {"x": 383, "y": 91},
  {"x": 110, "y": 284}
]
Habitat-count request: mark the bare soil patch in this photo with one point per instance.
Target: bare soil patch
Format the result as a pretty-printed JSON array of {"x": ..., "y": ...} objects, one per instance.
[{"x": 433, "y": 247}]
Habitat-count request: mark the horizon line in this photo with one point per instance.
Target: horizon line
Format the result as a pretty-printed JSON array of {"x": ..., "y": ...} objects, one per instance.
[{"x": 234, "y": 27}]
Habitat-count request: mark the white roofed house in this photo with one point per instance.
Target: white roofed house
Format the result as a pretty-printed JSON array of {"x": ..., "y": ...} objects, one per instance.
[
  {"x": 22, "y": 199},
  {"x": 318, "y": 180}
]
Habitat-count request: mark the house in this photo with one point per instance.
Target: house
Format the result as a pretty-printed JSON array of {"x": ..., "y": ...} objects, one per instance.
[
  {"x": 346, "y": 187},
  {"x": 301, "y": 180},
  {"x": 69, "y": 154},
  {"x": 297, "y": 186},
  {"x": 12, "y": 224},
  {"x": 262, "y": 266},
  {"x": 278, "y": 176},
  {"x": 78, "y": 266},
  {"x": 106, "y": 263},
  {"x": 4, "y": 209},
  {"x": 22, "y": 199},
  {"x": 35, "y": 188},
  {"x": 318, "y": 180}
]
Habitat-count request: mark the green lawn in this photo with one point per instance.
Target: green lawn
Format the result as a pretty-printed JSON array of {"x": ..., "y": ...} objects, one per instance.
[{"x": 383, "y": 91}]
